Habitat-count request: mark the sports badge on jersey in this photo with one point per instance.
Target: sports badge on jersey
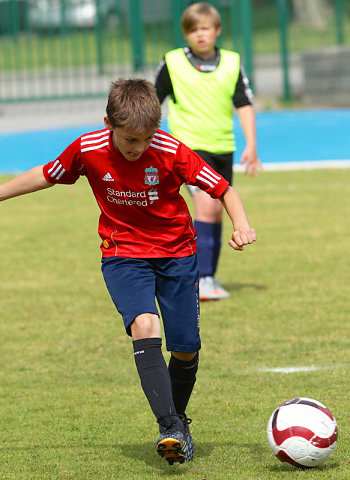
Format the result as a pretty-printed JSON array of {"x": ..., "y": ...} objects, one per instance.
[{"x": 151, "y": 176}]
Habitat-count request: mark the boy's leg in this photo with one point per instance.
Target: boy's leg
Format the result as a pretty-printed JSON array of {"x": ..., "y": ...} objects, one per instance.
[
  {"x": 208, "y": 227},
  {"x": 155, "y": 381},
  {"x": 208, "y": 214},
  {"x": 183, "y": 377},
  {"x": 177, "y": 293},
  {"x": 208, "y": 246},
  {"x": 156, "y": 385},
  {"x": 128, "y": 280},
  {"x": 207, "y": 224}
]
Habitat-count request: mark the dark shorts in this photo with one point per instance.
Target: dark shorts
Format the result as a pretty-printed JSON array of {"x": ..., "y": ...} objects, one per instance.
[
  {"x": 222, "y": 163},
  {"x": 135, "y": 283}
]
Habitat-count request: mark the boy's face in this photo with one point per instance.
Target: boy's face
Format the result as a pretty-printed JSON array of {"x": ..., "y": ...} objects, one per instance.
[
  {"x": 202, "y": 37},
  {"x": 130, "y": 144}
]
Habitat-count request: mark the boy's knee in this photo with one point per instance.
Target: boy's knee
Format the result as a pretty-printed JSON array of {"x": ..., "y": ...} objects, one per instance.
[
  {"x": 146, "y": 325},
  {"x": 184, "y": 356}
]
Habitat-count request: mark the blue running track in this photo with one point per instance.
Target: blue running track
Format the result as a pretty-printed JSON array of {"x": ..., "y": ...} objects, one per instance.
[{"x": 286, "y": 139}]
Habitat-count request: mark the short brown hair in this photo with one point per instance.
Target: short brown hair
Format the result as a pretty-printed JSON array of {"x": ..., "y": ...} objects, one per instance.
[
  {"x": 134, "y": 104},
  {"x": 194, "y": 13}
]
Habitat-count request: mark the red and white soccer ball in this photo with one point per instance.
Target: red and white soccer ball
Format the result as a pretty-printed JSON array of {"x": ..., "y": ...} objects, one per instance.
[{"x": 302, "y": 432}]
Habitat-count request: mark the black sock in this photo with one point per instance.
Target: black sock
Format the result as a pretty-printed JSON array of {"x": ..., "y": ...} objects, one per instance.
[
  {"x": 155, "y": 379},
  {"x": 183, "y": 377}
]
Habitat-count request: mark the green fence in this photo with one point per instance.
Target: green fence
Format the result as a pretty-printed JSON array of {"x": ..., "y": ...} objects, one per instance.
[{"x": 52, "y": 49}]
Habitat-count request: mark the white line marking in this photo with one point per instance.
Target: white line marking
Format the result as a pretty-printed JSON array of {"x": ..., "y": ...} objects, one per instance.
[
  {"x": 307, "y": 165},
  {"x": 312, "y": 368}
]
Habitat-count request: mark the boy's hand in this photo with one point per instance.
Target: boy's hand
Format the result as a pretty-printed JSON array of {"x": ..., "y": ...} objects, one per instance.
[
  {"x": 241, "y": 237},
  {"x": 251, "y": 161}
]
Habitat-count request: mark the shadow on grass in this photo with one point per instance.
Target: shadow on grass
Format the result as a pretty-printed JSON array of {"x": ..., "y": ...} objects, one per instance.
[
  {"x": 232, "y": 286},
  {"x": 286, "y": 468},
  {"x": 146, "y": 453},
  {"x": 143, "y": 452}
]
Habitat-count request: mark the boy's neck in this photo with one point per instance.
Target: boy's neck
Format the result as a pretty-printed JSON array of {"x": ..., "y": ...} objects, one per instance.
[
  {"x": 205, "y": 56},
  {"x": 114, "y": 141}
]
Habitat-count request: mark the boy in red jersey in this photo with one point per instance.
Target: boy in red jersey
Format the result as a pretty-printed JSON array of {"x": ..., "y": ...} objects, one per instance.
[{"x": 148, "y": 242}]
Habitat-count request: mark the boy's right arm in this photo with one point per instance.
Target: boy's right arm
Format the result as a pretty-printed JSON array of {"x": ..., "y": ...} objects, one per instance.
[
  {"x": 162, "y": 82},
  {"x": 30, "y": 181},
  {"x": 242, "y": 233}
]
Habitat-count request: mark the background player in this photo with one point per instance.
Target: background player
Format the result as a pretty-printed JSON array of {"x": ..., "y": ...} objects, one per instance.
[
  {"x": 204, "y": 83},
  {"x": 148, "y": 242}
]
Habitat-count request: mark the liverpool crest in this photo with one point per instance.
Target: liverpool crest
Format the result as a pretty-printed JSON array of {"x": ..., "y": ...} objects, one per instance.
[{"x": 151, "y": 176}]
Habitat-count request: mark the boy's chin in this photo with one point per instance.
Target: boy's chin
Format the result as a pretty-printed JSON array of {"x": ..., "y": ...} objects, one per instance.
[{"x": 131, "y": 157}]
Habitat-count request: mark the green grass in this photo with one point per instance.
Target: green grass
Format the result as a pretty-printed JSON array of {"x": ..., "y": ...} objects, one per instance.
[
  {"x": 301, "y": 36},
  {"x": 71, "y": 404},
  {"x": 31, "y": 51}
]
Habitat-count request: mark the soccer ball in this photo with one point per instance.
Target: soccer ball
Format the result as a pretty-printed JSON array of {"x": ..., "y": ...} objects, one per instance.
[{"x": 302, "y": 432}]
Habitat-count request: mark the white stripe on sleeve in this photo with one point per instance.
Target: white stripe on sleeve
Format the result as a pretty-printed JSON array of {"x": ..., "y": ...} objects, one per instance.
[
  {"x": 53, "y": 166},
  {"x": 204, "y": 180},
  {"x": 211, "y": 173},
  {"x": 53, "y": 175},
  {"x": 60, "y": 174}
]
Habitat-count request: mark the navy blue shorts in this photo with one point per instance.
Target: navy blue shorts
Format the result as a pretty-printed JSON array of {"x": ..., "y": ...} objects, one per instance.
[{"x": 135, "y": 283}]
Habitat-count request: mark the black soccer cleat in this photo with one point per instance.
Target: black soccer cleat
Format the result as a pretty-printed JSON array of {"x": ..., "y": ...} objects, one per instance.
[
  {"x": 189, "y": 441},
  {"x": 171, "y": 445}
]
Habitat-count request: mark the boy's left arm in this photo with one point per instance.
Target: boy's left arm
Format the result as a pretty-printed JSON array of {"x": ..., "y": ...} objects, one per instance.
[
  {"x": 242, "y": 233},
  {"x": 249, "y": 156}
]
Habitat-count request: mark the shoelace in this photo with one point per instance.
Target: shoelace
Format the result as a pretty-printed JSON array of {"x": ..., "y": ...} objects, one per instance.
[{"x": 185, "y": 420}]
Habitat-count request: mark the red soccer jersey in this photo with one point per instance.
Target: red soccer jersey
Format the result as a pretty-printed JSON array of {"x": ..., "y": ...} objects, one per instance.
[{"x": 143, "y": 214}]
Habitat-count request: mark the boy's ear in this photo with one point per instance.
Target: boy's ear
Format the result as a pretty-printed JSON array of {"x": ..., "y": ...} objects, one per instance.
[
  {"x": 218, "y": 31},
  {"x": 107, "y": 123}
]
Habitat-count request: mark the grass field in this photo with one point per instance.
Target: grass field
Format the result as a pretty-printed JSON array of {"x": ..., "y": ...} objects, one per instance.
[
  {"x": 71, "y": 404},
  {"x": 54, "y": 49}
]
